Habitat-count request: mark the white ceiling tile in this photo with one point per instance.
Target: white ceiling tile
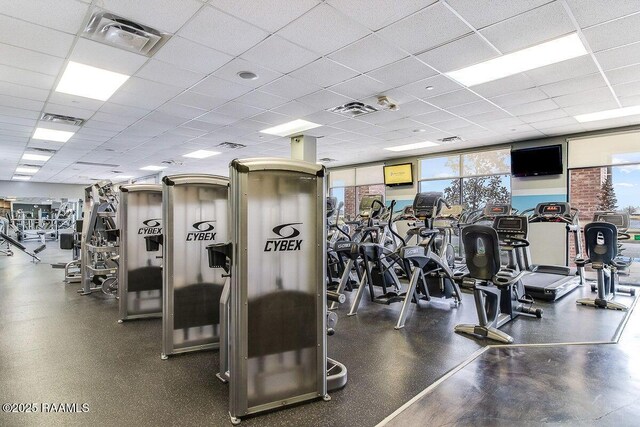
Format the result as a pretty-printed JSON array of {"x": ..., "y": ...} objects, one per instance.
[
  {"x": 630, "y": 101},
  {"x": 627, "y": 89},
  {"x": 30, "y": 60},
  {"x": 359, "y": 87},
  {"x": 367, "y": 54},
  {"x": 381, "y": 117},
  {"x": 563, "y": 130},
  {"x": 353, "y": 125},
  {"x": 619, "y": 57},
  {"x": 452, "y": 99},
  {"x": 148, "y": 101},
  {"x": 26, "y": 78},
  {"x": 434, "y": 117},
  {"x": 439, "y": 85},
  {"x": 323, "y": 117},
  {"x": 295, "y": 109},
  {"x": 268, "y": 14},
  {"x": 613, "y": 34},
  {"x": 164, "y": 15},
  {"x": 279, "y": 54},
  {"x": 110, "y": 58},
  {"x": 324, "y": 72},
  {"x": 262, "y": 100},
  {"x": 402, "y": 72},
  {"x": 35, "y": 37},
  {"x": 591, "y": 108},
  {"x": 218, "y": 88},
  {"x": 230, "y": 71},
  {"x": 543, "y": 115},
  {"x": 290, "y": 88},
  {"x": 17, "y": 120},
  {"x": 95, "y": 124},
  {"x": 62, "y": 15},
  {"x": 163, "y": 72},
  {"x": 68, "y": 110},
  {"x": 473, "y": 108},
  {"x": 123, "y": 110},
  {"x": 413, "y": 108},
  {"x": 426, "y": 29},
  {"x": 488, "y": 116},
  {"x": 323, "y": 30},
  {"x": 520, "y": 97},
  {"x": 624, "y": 75},
  {"x": 162, "y": 117},
  {"x": 575, "y": 67},
  {"x": 459, "y": 53},
  {"x": 75, "y": 101},
  {"x": 554, "y": 123},
  {"x": 574, "y": 85},
  {"x": 504, "y": 86},
  {"x": 376, "y": 14},
  {"x": 597, "y": 11},
  {"x": 602, "y": 94},
  {"x": 191, "y": 56},
  {"x": 452, "y": 125},
  {"x": 271, "y": 118},
  {"x": 221, "y": 31},
  {"x": 533, "y": 107},
  {"x": 536, "y": 26},
  {"x": 216, "y": 118},
  {"x": 481, "y": 13},
  {"x": 324, "y": 99},
  {"x": 23, "y": 91},
  {"x": 238, "y": 110}
]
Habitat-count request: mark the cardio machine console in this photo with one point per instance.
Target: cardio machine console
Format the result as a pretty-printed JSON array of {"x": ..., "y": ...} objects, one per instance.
[
  {"x": 619, "y": 219},
  {"x": 367, "y": 205},
  {"x": 509, "y": 226},
  {"x": 427, "y": 205},
  {"x": 553, "y": 209},
  {"x": 491, "y": 210}
]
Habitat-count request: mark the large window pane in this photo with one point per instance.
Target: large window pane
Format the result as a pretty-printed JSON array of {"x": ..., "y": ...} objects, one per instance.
[
  {"x": 449, "y": 187},
  {"x": 478, "y": 191},
  {"x": 492, "y": 162},
  {"x": 440, "y": 167}
]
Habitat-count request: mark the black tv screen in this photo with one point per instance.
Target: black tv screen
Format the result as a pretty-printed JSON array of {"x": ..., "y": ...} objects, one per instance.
[{"x": 537, "y": 161}]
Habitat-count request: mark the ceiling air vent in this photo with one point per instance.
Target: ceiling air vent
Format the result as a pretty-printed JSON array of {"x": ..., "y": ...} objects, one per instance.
[
  {"x": 451, "y": 139},
  {"x": 43, "y": 150},
  {"x": 173, "y": 163},
  {"x": 105, "y": 165},
  {"x": 120, "y": 32},
  {"x": 327, "y": 160},
  {"x": 353, "y": 109},
  {"x": 64, "y": 120},
  {"x": 231, "y": 145}
]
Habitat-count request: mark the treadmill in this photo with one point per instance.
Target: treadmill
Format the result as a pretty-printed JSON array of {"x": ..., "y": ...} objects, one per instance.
[{"x": 551, "y": 282}]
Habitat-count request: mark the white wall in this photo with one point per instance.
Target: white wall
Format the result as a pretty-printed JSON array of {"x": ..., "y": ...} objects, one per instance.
[{"x": 41, "y": 189}]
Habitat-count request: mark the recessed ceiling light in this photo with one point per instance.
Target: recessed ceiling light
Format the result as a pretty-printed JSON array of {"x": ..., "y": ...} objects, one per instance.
[
  {"x": 52, "y": 134},
  {"x": 153, "y": 168},
  {"x": 290, "y": 128},
  {"x": 414, "y": 146},
  {"x": 201, "y": 154},
  {"x": 608, "y": 114},
  {"x": 247, "y": 75},
  {"x": 24, "y": 169},
  {"x": 21, "y": 178},
  {"x": 36, "y": 157},
  {"x": 90, "y": 82},
  {"x": 548, "y": 53}
]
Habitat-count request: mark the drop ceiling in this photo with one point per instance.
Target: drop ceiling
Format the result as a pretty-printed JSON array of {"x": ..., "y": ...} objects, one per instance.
[{"x": 310, "y": 56}]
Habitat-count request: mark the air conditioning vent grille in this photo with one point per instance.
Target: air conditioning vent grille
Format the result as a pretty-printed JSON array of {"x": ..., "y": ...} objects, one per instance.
[
  {"x": 327, "y": 160},
  {"x": 451, "y": 139},
  {"x": 353, "y": 109},
  {"x": 65, "y": 120},
  {"x": 104, "y": 165},
  {"x": 231, "y": 145},
  {"x": 120, "y": 32},
  {"x": 43, "y": 150}
]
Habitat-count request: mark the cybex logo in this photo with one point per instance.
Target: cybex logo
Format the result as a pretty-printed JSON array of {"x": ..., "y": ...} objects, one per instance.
[
  {"x": 286, "y": 240},
  {"x": 204, "y": 231},
  {"x": 151, "y": 226}
]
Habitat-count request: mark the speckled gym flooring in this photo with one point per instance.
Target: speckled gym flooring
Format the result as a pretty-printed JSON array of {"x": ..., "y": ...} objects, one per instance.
[{"x": 59, "y": 347}]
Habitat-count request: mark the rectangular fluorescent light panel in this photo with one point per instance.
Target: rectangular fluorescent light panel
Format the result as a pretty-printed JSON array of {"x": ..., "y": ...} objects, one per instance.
[
  {"x": 24, "y": 169},
  {"x": 21, "y": 178},
  {"x": 52, "y": 135},
  {"x": 153, "y": 168},
  {"x": 548, "y": 53},
  {"x": 90, "y": 82},
  {"x": 201, "y": 154},
  {"x": 291, "y": 128},
  {"x": 414, "y": 146},
  {"x": 608, "y": 114},
  {"x": 36, "y": 157}
]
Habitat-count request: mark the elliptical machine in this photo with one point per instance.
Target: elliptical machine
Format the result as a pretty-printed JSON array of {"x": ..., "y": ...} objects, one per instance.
[
  {"x": 498, "y": 291},
  {"x": 602, "y": 249}
]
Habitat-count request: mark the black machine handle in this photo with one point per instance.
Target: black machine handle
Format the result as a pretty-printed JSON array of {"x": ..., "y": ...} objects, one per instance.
[
  {"x": 220, "y": 256},
  {"x": 153, "y": 242},
  {"x": 336, "y": 297}
]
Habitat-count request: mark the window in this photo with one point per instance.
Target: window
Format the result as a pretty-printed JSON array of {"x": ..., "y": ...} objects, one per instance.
[
  {"x": 474, "y": 179},
  {"x": 350, "y": 185}
]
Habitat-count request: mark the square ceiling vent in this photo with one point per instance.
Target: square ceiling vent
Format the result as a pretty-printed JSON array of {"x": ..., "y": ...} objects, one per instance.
[
  {"x": 114, "y": 30},
  {"x": 65, "y": 120},
  {"x": 353, "y": 109}
]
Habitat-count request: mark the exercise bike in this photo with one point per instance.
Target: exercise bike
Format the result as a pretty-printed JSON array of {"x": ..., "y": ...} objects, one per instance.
[{"x": 498, "y": 291}]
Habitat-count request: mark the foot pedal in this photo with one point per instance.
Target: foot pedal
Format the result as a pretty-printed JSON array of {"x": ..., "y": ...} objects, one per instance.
[{"x": 39, "y": 249}]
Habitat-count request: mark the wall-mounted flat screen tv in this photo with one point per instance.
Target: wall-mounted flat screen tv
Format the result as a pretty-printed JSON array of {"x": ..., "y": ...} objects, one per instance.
[
  {"x": 537, "y": 161},
  {"x": 398, "y": 174}
]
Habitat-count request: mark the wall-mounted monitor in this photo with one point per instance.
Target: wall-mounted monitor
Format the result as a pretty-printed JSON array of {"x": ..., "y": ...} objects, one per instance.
[
  {"x": 537, "y": 161},
  {"x": 395, "y": 175}
]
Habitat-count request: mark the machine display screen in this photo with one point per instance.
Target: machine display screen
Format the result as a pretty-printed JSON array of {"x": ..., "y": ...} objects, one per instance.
[
  {"x": 509, "y": 224},
  {"x": 553, "y": 209},
  {"x": 493, "y": 210}
]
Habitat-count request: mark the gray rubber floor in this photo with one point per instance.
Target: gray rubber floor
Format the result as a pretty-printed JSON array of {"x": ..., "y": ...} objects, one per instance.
[{"x": 59, "y": 347}]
